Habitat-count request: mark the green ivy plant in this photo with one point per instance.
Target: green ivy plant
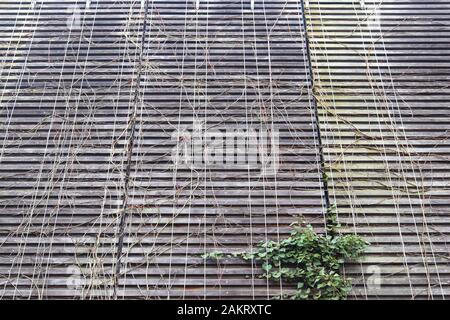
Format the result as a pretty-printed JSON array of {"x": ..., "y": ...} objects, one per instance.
[{"x": 311, "y": 261}]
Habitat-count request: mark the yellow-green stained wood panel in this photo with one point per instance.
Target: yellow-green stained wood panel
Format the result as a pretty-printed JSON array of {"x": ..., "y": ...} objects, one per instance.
[{"x": 381, "y": 83}]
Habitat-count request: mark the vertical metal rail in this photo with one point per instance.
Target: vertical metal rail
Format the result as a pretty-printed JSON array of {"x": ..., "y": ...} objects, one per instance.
[
  {"x": 322, "y": 178},
  {"x": 131, "y": 127}
]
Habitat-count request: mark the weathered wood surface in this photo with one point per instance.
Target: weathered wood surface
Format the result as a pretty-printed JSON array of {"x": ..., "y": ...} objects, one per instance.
[
  {"x": 71, "y": 98},
  {"x": 381, "y": 77},
  {"x": 87, "y": 116},
  {"x": 64, "y": 112}
]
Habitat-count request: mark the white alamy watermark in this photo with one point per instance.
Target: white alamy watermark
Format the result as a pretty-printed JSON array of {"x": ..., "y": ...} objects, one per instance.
[
  {"x": 373, "y": 279},
  {"x": 74, "y": 19},
  {"x": 251, "y": 148},
  {"x": 88, "y": 280}
]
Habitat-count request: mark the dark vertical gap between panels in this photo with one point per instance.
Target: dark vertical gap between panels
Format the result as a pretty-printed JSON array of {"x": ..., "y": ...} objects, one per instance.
[
  {"x": 326, "y": 196},
  {"x": 131, "y": 128}
]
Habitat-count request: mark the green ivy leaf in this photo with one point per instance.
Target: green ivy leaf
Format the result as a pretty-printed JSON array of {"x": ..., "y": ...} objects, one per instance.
[{"x": 312, "y": 261}]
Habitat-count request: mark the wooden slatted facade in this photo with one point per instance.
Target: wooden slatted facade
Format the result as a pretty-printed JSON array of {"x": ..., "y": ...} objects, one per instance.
[
  {"x": 66, "y": 96},
  {"x": 89, "y": 187},
  {"x": 98, "y": 96},
  {"x": 381, "y": 76}
]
